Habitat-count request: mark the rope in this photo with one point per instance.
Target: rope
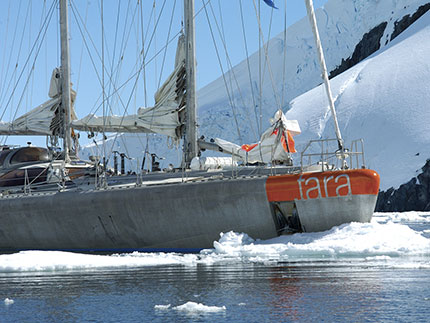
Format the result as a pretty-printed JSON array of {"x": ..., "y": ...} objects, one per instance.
[
  {"x": 230, "y": 66},
  {"x": 265, "y": 46},
  {"x": 222, "y": 71},
  {"x": 34, "y": 48},
  {"x": 284, "y": 63},
  {"x": 249, "y": 69}
]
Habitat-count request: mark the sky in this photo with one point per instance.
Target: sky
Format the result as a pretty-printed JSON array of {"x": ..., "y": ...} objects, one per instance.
[{"x": 29, "y": 42}]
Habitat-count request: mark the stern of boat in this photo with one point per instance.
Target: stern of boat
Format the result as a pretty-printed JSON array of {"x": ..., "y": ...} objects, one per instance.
[{"x": 317, "y": 201}]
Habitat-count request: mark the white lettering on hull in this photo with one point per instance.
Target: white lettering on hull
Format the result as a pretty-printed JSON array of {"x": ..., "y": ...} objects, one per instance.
[{"x": 313, "y": 184}]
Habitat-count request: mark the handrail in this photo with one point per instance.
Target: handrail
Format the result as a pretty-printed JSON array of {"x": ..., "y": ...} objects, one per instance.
[{"x": 329, "y": 156}]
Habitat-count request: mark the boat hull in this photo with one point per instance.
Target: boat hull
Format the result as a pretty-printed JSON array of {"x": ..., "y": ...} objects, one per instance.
[
  {"x": 174, "y": 217},
  {"x": 181, "y": 216}
]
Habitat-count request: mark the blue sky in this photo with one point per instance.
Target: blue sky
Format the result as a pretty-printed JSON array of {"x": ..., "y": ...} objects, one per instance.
[{"x": 24, "y": 85}]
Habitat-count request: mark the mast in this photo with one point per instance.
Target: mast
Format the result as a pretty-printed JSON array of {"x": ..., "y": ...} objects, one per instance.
[
  {"x": 190, "y": 140},
  {"x": 313, "y": 21},
  {"x": 65, "y": 78}
]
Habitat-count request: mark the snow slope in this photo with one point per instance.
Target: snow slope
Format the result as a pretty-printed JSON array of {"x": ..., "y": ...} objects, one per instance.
[
  {"x": 382, "y": 99},
  {"x": 385, "y": 100},
  {"x": 342, "y": 24}
]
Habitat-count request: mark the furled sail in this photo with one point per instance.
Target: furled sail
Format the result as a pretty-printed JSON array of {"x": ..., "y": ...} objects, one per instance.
[
  {"x": 276, "y": 143},
  {"x": 164, "y": 118},
  {"x": 44, "y": 120}
]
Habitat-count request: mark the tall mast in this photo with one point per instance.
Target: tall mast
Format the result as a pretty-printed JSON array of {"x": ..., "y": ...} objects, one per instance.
[
  {"x": 190, "y": 140},
  {"x": 65, "y": 78},
  {"x": 313, "y": 21}
]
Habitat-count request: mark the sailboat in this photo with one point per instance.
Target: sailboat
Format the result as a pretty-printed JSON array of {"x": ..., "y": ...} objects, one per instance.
[{"x": 182, "y": 210}]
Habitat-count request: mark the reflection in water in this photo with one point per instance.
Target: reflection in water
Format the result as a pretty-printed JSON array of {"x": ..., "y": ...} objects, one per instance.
[
  {"x": 304, "y": 292},
  {"x": 250, "y": 292}
]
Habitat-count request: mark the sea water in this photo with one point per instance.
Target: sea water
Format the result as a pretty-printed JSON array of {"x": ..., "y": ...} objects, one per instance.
[{"x": 378, "y": 271}]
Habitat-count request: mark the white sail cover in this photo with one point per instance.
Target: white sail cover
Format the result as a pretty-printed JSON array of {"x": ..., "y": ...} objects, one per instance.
[
  {"x": 163, "y": 118},
  {"x": 43, "y": 120},
  {"x": 275, "y": 143},
  {"x": 35, "y": 122}
]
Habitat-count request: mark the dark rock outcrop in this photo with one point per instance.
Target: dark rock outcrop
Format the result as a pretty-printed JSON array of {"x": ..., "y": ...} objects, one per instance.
[
  {"x": 412, "y": 196},
  {"x": 369, "y": 44},
  {"x": 371, "y": 40},
  {"x": 402, "y": 24}
]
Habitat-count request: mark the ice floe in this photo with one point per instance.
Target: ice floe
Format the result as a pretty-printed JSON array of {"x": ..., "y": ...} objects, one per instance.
[{"x": 386, "y": 239}]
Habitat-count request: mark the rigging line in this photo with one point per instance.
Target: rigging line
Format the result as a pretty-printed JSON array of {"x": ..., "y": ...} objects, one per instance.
[
  {"x": 284, "y": 63},
  {"x": 76, "y": 15},
  {"x": 132, "y": 76},
  {"x": 13, "y": 75},
  {"x": 32, "y": 78},
  {"x": 249, "y": 68},
  {"x": 138, "y": 74},
  {"x": 46, "y": 43},
  {"x": 231, "y": 72},
  {"x": 268, "y": 41},
  {"x": 266, "y": 53},
  {"x": 164, "y": 55},
  {"x": 139, "y": 70},
  {"x": 32, "y": 68},
  {"x": 103, "y": 85},
  {"x": 260, "y": 81},
  {"x": 124, "y": 41},
  {"x": 155, "y": 45},
  {"x": 108, "y": 102},
  {"x": 168, "y": 36},
  {"x": 3, "y": 90},
  {"x": 117, "y": 89},
  {"x": 222, "y": 71},
  {"x": 79, "y": 23},
  {"x": 82, "y": 53},
  {"x": 105, "y": 103},
  {"x": 143, "y": 53},
  {"x": 5, "y": 42},
  {"x": 145, "y": 93},
  {"x": 46, "y": 24},
  {"x": 149, "y": 22},
  {"x": 222, "y": 22},
  {"x": 29, "y": 44},
  {"x": 28, "y": 21}
]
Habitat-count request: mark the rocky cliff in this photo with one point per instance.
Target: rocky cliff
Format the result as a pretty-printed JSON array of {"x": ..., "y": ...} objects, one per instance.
[{"x": 412, "y": 196}]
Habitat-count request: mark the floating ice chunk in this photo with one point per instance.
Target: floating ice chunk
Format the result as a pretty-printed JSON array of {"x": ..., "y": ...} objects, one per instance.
[
  {"x": 8, "y": 301},
  {"x": 32, "y": 261},
  {"x": 235, "y": 239},
  {"x": 378, "y": 258},
  {"x": 402, "y": 217},
  {"x": 162, "y": 307},
  {"x": 198, "y": 308}
]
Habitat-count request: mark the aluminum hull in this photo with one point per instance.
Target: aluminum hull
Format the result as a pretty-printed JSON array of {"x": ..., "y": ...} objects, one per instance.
[{"x": 176, "y": 216}]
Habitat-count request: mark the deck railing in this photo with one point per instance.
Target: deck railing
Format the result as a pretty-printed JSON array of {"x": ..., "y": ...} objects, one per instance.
[{"x": 324, "y": 153}]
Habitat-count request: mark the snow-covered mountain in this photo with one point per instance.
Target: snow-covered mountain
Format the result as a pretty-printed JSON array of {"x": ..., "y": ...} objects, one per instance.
[{"x": 383, "y": 99}]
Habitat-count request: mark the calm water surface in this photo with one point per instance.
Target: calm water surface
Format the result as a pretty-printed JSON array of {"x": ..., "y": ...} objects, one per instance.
[{"x": 312, "y": 277}]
